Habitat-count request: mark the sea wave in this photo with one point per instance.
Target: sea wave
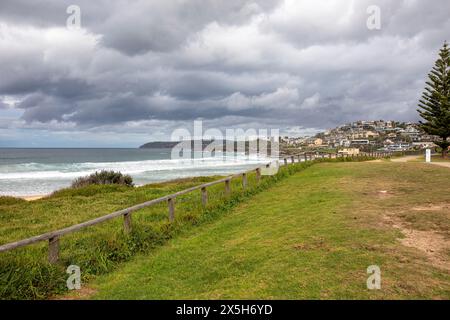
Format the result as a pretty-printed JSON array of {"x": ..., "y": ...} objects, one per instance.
[{"x": 38, "y": 171}]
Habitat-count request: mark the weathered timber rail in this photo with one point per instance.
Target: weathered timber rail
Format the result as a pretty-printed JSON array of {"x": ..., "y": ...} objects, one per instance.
[{"x": 53, "y": 236}]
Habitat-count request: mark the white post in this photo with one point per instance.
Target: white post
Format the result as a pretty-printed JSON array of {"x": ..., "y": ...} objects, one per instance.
[{"x": 428, "y": 155}]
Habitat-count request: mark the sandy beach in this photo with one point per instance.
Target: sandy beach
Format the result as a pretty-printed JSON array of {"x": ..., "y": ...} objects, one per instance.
[{"x": 32, "y": 198}]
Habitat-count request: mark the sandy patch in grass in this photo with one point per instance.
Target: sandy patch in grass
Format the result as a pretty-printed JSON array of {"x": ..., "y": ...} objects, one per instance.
[
  {"x": 442, "y": 164},
  {"x": 404, "y": 159},
  {"x": 433, "y": 244},
  {"x": 384, "y": 194},
  {"x": 433, "y": 207}
]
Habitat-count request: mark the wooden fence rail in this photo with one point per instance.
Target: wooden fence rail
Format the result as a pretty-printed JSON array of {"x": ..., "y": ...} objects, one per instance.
[{"x": 53, "y": 236}]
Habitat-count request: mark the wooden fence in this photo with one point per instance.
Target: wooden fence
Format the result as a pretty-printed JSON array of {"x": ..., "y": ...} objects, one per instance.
[{"x": 53, "y": 236}]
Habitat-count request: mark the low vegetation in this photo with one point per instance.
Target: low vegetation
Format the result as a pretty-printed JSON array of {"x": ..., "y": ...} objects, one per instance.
[
  {"x": 311, "y": 236},
  {"x": 103, "y": 177},
  {"x": 25, "y": 272},
  {"x": 100, "y": 250}
]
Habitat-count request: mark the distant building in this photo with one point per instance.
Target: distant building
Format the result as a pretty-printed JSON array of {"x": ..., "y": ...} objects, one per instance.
[
  {"x": 424, "y": 145},
  {"x": 314, "y": 142},
  {"x": 360, "y": 142},
  {"x": 349, "y": 151},
  {"x": 345, "y": 143},
  {"x": 399, "y": 147},
  {"x": 364, "y": 134}
]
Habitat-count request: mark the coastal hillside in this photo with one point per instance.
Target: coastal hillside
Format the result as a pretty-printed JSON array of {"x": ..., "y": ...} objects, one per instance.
[
  {"x": 159, "y": 145},
  {"x": 253, "y": 146}
]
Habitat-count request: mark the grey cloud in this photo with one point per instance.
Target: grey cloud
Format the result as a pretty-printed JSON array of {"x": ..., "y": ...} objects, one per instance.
[
  {"x": 229, "y": 62},
  {"x": 136, "y": 27},
  {"x": 3, "y": 105}
]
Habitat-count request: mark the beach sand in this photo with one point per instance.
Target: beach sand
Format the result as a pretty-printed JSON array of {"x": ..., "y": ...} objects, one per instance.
[{"x": 32, "y": 198}]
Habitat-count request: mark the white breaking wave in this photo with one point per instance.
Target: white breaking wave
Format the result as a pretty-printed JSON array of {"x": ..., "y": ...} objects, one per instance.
[{"x": 65, "y": 171}]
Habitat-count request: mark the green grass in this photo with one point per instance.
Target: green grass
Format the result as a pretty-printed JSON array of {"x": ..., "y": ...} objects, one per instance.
[
  {"x": 310, "y": 236},
  {"x": 25, "y": 272}
]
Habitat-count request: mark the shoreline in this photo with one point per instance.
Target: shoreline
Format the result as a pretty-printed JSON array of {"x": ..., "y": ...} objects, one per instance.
[
  {"x": 32, "y": 198},
  {"x": 41, "y": 196}
]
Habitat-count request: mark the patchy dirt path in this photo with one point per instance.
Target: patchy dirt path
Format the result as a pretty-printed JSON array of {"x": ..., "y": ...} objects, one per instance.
[
  {"x": 432, "y": 243},
  {"x": 404, "y": 159},
  {"x": 412, "y": 158},
  {"x": 442, "y": 164}
]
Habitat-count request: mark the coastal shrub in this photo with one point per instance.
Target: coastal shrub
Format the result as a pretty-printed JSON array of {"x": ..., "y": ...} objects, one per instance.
[{"x": 103, "y": 177}]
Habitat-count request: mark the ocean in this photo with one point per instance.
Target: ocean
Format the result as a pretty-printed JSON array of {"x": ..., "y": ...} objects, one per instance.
[{"x": 33, "y": 172}]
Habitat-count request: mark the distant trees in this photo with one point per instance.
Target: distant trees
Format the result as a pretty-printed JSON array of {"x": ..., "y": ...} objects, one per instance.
[{"x": 434, "y": 107}]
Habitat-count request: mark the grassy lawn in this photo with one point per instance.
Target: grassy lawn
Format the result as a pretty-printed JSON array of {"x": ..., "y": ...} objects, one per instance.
[
  {"x": 25, "y": 272},
  {"x": 310, "y": 236},
  {"x": 20, "y": 219}
]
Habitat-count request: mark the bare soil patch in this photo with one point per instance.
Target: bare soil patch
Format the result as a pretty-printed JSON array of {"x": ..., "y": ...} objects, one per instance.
[
  {"x": 433, "y": 244},
  {"x": 433, "y": 207}
]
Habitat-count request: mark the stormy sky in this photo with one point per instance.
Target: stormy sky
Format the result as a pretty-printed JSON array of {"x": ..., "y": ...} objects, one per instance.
[{"x": 137, "y": 70}]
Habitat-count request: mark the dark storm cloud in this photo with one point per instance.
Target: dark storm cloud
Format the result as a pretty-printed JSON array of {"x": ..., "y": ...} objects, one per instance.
[
  {"x": 285, "y": 63},
  {"x": 136, "y": 27}
]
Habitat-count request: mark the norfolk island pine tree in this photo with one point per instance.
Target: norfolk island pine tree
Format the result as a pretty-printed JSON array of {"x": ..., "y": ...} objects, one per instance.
[{"x": 435, "y": 102}]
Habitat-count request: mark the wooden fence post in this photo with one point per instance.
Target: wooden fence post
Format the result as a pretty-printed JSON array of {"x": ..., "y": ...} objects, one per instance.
[
  {"x": 204, "y": 197},
  {"x": 227, "y": 188},
  {"x": 127, "y": 222},
  {"x": 53, "y": 250},
  {"x": 244, "y": 180},
  {"x": 171, "y": 209},
  {"x": 258, "y": 175}
]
